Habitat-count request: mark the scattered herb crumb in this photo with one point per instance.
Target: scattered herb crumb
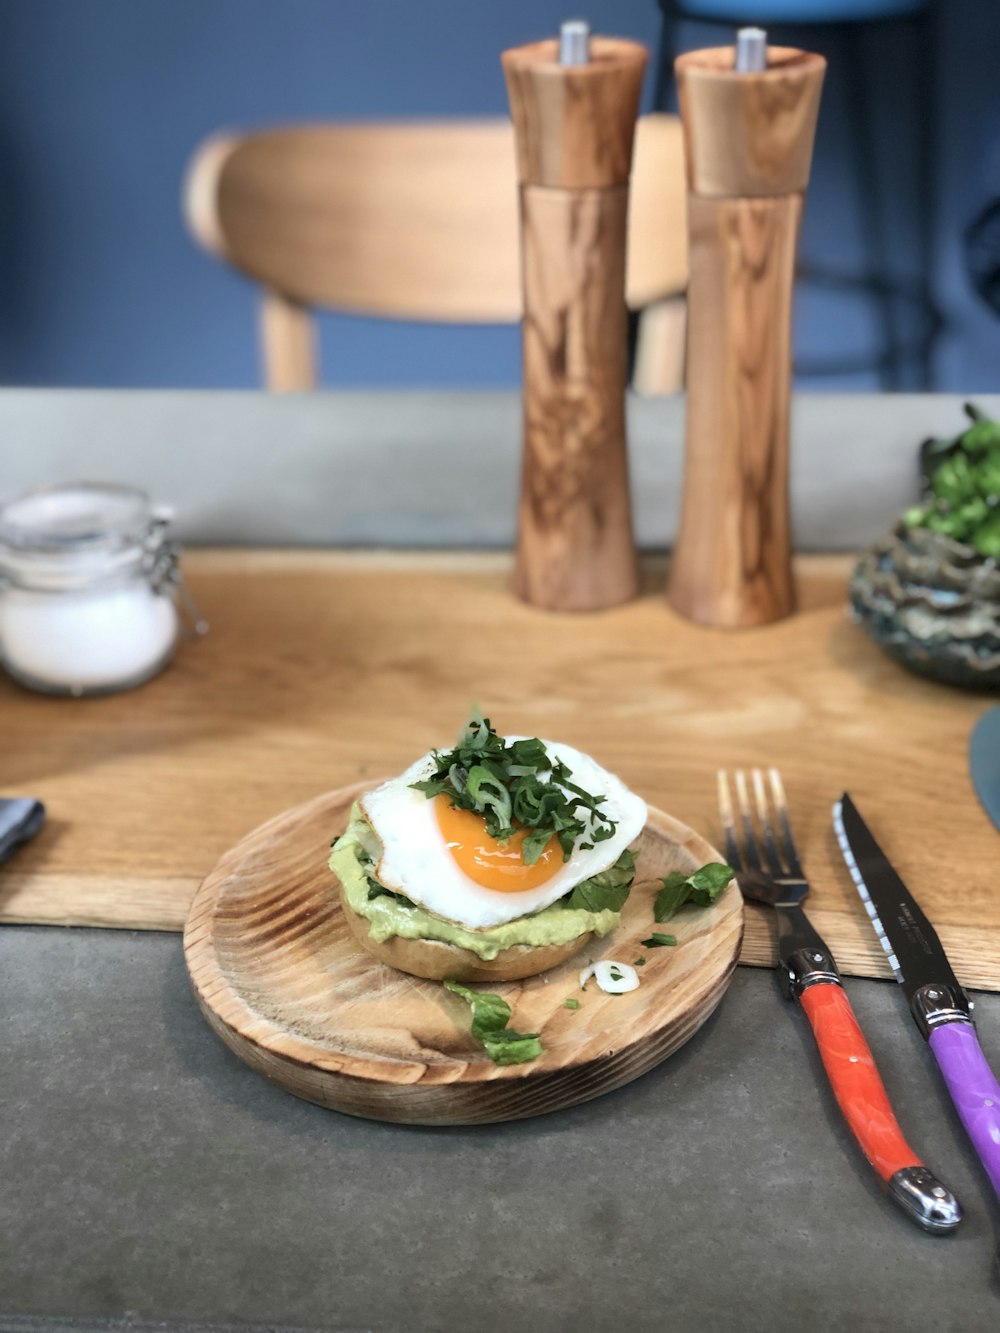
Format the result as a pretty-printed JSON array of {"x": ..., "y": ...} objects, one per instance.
[
  {"x": 658, "y": 941},
  {"x": 640, "y": 961},
  {"x": 571, "y": 1003}
]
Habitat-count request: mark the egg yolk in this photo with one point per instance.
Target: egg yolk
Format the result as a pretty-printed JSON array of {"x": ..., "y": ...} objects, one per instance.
[{"x": 492, "y": 864}]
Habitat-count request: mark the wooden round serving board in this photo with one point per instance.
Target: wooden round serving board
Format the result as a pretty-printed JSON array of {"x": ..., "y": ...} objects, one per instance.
[{"x": 281, "y": 981}]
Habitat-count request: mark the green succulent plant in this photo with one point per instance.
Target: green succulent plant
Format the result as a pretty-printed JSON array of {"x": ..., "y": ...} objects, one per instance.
[{"x": 961, "y": 486}]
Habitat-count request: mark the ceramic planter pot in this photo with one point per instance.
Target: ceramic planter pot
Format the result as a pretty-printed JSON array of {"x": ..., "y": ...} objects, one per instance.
[{"x": 933, "y": 604}]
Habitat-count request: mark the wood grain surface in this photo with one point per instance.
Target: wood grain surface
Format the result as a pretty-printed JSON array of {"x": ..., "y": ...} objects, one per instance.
[
  {"x": 280, "y": 978},
  {"x": 410, "y": 220},
  {"x": 749, "y": 135},
  {"x": 574, "y": 125},
  {"x": 324, "y": 668},
  {"x": 732, "y": 560},
  {"x": 575, "y": 548},
  {"x": 749, "y": 141}
]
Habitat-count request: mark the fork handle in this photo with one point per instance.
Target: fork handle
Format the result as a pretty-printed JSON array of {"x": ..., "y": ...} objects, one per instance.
[{"x": 861, "y": 1095}]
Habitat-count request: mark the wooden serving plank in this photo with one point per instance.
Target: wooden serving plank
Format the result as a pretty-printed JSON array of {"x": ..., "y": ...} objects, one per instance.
[
  {"x": 324, "y": 668},
  {"x": 283, "y": 983}
]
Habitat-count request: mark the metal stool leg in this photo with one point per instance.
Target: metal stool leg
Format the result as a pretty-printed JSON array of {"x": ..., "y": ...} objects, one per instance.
[
  {"x": 927, "y": 128},
  {"x": 663, "y": 87},
  {"x": 878, "y": 279}
]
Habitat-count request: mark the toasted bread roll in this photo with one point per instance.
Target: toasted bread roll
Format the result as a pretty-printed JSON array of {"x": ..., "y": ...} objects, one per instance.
[{"x": 447, "y": 962}]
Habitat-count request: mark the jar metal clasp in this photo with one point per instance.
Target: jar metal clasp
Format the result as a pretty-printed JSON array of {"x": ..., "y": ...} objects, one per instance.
[{"x": 161, "y": 566}]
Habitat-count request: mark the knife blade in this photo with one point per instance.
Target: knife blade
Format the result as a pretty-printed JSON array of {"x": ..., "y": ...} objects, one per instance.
[{"x": 939, "y": 1005}]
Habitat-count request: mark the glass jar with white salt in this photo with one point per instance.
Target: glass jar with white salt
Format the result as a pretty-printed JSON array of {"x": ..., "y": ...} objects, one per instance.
[{"x": 89, "y": 582}]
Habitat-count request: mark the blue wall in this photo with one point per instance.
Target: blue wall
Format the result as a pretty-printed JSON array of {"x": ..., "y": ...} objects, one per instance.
[{"x": 103, "y": 101}]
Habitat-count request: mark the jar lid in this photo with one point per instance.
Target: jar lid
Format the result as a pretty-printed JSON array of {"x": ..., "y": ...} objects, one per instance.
[
  {"x": 80, "y": 514},
  {"x": 77, "y": 534}
]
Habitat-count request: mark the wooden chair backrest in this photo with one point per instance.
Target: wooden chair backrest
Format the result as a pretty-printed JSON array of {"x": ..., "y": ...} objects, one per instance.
[{"x": 415, "y": 221}]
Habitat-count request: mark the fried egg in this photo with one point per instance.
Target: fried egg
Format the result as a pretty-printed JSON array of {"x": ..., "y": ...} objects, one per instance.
[{"x": 443, "y": 858}]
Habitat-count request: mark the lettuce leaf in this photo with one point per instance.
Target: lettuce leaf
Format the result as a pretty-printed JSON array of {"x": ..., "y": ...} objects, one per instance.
[
  {"x": 490, "y": 1015},
  {"x": 701, "y": 888},
  {"x": 607, "y": 891}
]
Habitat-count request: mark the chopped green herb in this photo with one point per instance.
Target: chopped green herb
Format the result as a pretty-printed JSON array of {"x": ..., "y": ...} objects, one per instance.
[
  {"x": 490, "y": 1015},
  {"x": 377, "y": 890},
  {"x": 639, "y": 962},
  {"x": 516, "y": 786},
  {"x": 571, "y": 1003},
  {"x": 614, "y": 974},
  {"x": 701, "y": 888},
  {"x": 658, "y": 941}
]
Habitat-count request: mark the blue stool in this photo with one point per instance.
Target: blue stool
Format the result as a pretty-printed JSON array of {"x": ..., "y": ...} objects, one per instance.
[
  {"x": 799, "y": 11},
  {"x": 904, "y": 358}
]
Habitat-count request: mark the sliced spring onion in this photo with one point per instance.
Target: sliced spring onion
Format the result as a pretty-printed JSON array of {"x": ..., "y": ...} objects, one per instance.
[{"x": 612, "y": 978}]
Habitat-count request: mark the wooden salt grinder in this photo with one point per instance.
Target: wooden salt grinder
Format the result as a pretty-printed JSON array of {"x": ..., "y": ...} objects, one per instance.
[
  {"x": 574, "y": 124},
  {"x": 748, "y": 141}
]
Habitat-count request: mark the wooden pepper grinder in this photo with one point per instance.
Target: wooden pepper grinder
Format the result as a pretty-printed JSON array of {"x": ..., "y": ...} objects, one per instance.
[
  {"x": 749, "y": 117},
  {"x": 574, "y": 103}
]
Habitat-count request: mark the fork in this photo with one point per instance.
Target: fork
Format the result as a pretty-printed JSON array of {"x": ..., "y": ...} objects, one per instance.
[{"x": 762, "y": 851}]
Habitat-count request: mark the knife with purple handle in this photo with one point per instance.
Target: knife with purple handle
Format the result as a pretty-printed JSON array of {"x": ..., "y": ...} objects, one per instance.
[
  {"x": 973, "y": 1088},
  {"x": 940, "y": 1007}
]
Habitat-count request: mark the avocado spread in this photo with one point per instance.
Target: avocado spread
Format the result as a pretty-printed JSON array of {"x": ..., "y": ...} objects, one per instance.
[{"x": 352, "y": 861}]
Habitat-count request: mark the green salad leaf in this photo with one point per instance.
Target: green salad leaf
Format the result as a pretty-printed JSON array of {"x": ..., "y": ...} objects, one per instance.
[
  {"x": 701, "y": 888},
  {"x": 490, "y": 1016},
  {"x": 607, "y": 891},
  {"x": 658, "y": 941},
  {"x": 517, "y": 786}
]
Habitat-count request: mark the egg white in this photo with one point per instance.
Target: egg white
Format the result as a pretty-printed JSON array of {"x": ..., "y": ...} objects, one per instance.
[{"x": 417, "y": 863}]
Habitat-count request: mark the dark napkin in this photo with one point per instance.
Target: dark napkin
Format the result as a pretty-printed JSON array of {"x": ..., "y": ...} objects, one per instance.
[{"x": 20, "y": 820}]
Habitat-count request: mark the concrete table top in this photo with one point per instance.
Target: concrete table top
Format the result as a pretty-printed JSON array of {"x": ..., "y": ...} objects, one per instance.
[
  {"x": 433, "y": 468},
  {"x": 151, "y": 1181}
]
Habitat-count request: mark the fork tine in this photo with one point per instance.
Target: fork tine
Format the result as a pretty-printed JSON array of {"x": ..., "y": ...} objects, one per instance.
[
  {"x": 728, "y": 826},
  {"x": 771, "y": 854},
  {"x": 749, "y": 832},
  {"x": 781, "y": 806}
]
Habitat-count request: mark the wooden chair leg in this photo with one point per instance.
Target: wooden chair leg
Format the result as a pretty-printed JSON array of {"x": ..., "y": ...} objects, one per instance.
[
  {"x": 660, "y": 351},
  {"x": 288, "y": 342}
]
